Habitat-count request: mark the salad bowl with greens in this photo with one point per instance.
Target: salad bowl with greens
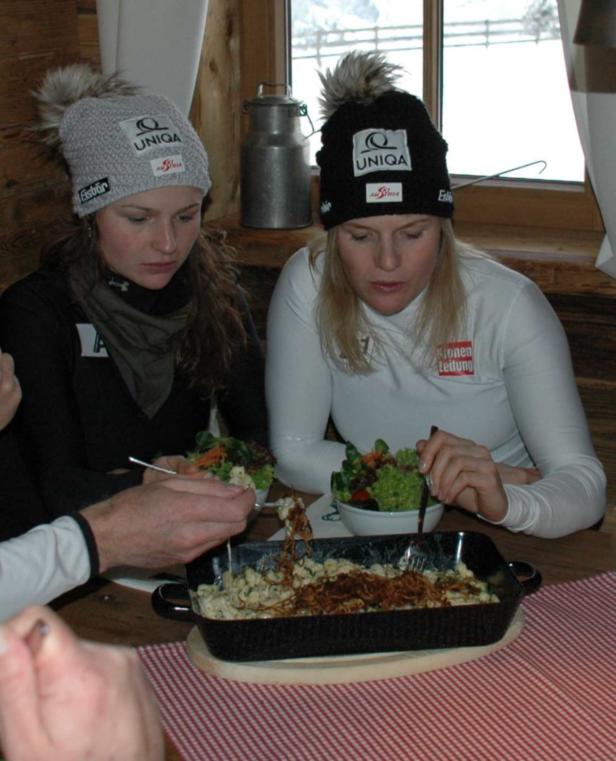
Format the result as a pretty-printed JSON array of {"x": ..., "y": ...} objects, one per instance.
[
  {"x": 234, "y": 461},
  {"x": 378, "y": 492}
]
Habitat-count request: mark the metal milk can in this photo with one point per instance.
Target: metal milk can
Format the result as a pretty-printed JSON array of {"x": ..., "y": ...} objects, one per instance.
[{"x": 275, "y": 165}]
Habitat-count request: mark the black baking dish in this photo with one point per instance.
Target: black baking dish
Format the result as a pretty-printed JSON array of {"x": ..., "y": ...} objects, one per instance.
[{"x": 305, "y": 636}]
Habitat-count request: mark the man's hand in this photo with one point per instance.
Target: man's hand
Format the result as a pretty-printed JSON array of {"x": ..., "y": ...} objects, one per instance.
[{"x": 167, "y": 522}]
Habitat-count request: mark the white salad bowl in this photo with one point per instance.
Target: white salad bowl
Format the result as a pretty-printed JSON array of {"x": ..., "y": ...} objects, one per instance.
[
  {"x": 262, "y": 496},
  {"x": 260, "y": 502},
  {"x": 362, "y": 522}
]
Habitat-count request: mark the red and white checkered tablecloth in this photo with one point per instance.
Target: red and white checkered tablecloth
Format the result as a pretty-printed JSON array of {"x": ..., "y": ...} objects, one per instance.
[{"x": 551, "y": 694}]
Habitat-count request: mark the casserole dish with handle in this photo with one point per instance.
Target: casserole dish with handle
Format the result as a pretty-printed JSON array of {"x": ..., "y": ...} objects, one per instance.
[{"x": 350, "y": 633}]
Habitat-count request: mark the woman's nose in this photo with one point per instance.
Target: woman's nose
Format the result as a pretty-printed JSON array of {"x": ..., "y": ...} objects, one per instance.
[
  {"x": 164, "y": 237},
  {"x": 387, "y": 257}
]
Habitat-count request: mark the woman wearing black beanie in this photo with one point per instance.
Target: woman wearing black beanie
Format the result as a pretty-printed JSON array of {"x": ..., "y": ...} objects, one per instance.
[{"x": 390, "y": 325}]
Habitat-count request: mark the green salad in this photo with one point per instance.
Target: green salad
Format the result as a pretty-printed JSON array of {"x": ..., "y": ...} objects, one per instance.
[
  {"x": 379, "y": 479},
  {"x": 233, "y": 461}
]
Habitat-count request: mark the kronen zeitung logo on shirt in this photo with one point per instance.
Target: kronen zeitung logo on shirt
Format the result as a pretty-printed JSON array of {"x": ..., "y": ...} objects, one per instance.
[
  {"x": 377, "y": 149},
  {"x": 147, "y": 133},
  {"x": 455, "y": 358}
]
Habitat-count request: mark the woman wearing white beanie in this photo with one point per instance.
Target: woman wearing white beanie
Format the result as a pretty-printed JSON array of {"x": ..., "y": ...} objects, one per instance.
[{"x": 135, "y": 320}]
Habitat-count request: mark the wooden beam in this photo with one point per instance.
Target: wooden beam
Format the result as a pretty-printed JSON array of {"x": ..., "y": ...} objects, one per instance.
[{"x": 214, "y": 110}]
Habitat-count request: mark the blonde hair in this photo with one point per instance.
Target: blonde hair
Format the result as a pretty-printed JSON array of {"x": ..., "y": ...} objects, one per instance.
[{"x": 441, "y": 317}]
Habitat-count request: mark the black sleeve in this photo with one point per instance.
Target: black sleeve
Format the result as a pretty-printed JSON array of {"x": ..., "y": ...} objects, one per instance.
[
  {"x": 37, "y": 329},
  {"x": 21, "y": 508},
  {"x": 242, "y": 403}
]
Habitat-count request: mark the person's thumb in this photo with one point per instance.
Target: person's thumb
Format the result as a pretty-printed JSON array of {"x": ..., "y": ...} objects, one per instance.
[{"x": 20, "y": 727}]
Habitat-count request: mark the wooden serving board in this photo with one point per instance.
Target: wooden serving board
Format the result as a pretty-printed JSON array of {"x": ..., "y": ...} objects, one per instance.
[{"x": 341, "y": 669}]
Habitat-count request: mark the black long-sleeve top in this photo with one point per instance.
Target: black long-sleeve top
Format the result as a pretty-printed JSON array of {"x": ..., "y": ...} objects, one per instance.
[{"x": 77, "y": 420}]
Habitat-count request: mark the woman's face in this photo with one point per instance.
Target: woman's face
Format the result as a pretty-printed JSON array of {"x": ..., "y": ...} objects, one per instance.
[
  {"x": 389, "y": 259},
  {"x": 147, "y": 237}
]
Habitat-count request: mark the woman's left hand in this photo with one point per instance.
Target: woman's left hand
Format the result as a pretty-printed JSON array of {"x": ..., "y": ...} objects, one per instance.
[
  {"x": 463, "y": 473},
  {"x": 10, "y": 390}
]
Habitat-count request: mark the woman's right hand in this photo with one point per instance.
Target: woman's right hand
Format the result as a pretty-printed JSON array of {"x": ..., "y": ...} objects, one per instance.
[
  {"x": 463, "y": 473},
  {"x": 176, "y": 463}
]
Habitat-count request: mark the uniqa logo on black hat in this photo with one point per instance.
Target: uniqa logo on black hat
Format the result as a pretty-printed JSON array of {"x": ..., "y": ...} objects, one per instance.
[{"x": 375, "y": 150}]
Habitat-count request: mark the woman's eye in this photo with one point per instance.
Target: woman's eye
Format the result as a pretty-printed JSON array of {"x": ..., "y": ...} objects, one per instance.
[
  {"x": 136, "y": 220},
  {"x": 359, "y": 236},
  {"x": 187, "y": 217},
  {"x": 412, "y": 235}
]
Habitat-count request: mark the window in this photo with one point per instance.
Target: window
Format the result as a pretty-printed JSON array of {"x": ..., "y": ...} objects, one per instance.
[
  {"x": 485, "y": 69},
  {"x": 499, "y": 59}
]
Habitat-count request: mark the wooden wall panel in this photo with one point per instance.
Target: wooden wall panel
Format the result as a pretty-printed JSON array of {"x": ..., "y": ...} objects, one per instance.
[
  {"x": 87, "y": 32},
  {"x": 35, "y": 35},
  {"x": 215, "y": 112}
]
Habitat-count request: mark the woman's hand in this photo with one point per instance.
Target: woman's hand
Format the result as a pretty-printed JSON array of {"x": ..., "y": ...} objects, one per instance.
[
  {"x": 520, "y": 476},
  {"x": 463, "y": 473},
  {"x": 10, "y": 390},
  {"x": 63, "y": 698},
  {"x": 176, "y": 463}
]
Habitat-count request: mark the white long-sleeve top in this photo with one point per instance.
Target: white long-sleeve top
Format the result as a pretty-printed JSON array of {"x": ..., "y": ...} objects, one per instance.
[
  {"x": 42, "y": 564},
  {"x": 507, "y": 383}
]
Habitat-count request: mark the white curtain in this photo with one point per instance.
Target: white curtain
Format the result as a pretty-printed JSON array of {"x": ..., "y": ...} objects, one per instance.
[
  {"x": 595, "y": 114},
  {"x": 154, "y": 43}
]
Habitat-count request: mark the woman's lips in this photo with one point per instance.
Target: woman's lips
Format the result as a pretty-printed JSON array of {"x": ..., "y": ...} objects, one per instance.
[
  {"x": 385, "y": 287},
  {"x": 159, "y": 266}
]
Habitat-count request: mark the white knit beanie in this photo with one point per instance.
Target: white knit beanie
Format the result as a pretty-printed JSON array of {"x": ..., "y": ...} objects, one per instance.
[{"x": 116, "y": 143}]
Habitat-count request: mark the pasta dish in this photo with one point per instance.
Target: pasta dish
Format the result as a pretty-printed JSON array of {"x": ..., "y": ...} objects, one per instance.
[{"x": 305, "y": 587}]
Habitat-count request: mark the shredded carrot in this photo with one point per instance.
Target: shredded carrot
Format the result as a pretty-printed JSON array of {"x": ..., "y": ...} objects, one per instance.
[
  {"x": 371, "y": 457},
  {"x": 212, "y": 456}
]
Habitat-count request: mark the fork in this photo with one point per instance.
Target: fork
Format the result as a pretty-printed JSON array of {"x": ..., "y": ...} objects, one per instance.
[{"x": 410, "y": 561}]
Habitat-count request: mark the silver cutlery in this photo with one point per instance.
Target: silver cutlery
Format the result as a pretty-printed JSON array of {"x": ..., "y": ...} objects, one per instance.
[
  {"x": 425, "y": 494},
  {"x": 411, "y": 560},
  {"x": 151, "y": 466}
]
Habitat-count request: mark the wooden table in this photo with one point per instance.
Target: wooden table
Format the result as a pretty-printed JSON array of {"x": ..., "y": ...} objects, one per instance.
[{"x": 107, "y": 612}]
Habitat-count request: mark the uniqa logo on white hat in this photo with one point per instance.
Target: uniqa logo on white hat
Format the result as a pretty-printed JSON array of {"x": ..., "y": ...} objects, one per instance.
[
  {"x": 146, "y": 133},
  {"x": 375, "y": 150}
]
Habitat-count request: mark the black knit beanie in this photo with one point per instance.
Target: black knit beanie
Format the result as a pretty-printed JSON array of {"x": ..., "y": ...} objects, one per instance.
[{"x": 382, "y": 156}]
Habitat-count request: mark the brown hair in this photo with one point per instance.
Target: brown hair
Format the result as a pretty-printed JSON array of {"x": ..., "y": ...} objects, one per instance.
[
  {"x": 442, "y": 314},
  {"x": 214, "y": 328}
]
